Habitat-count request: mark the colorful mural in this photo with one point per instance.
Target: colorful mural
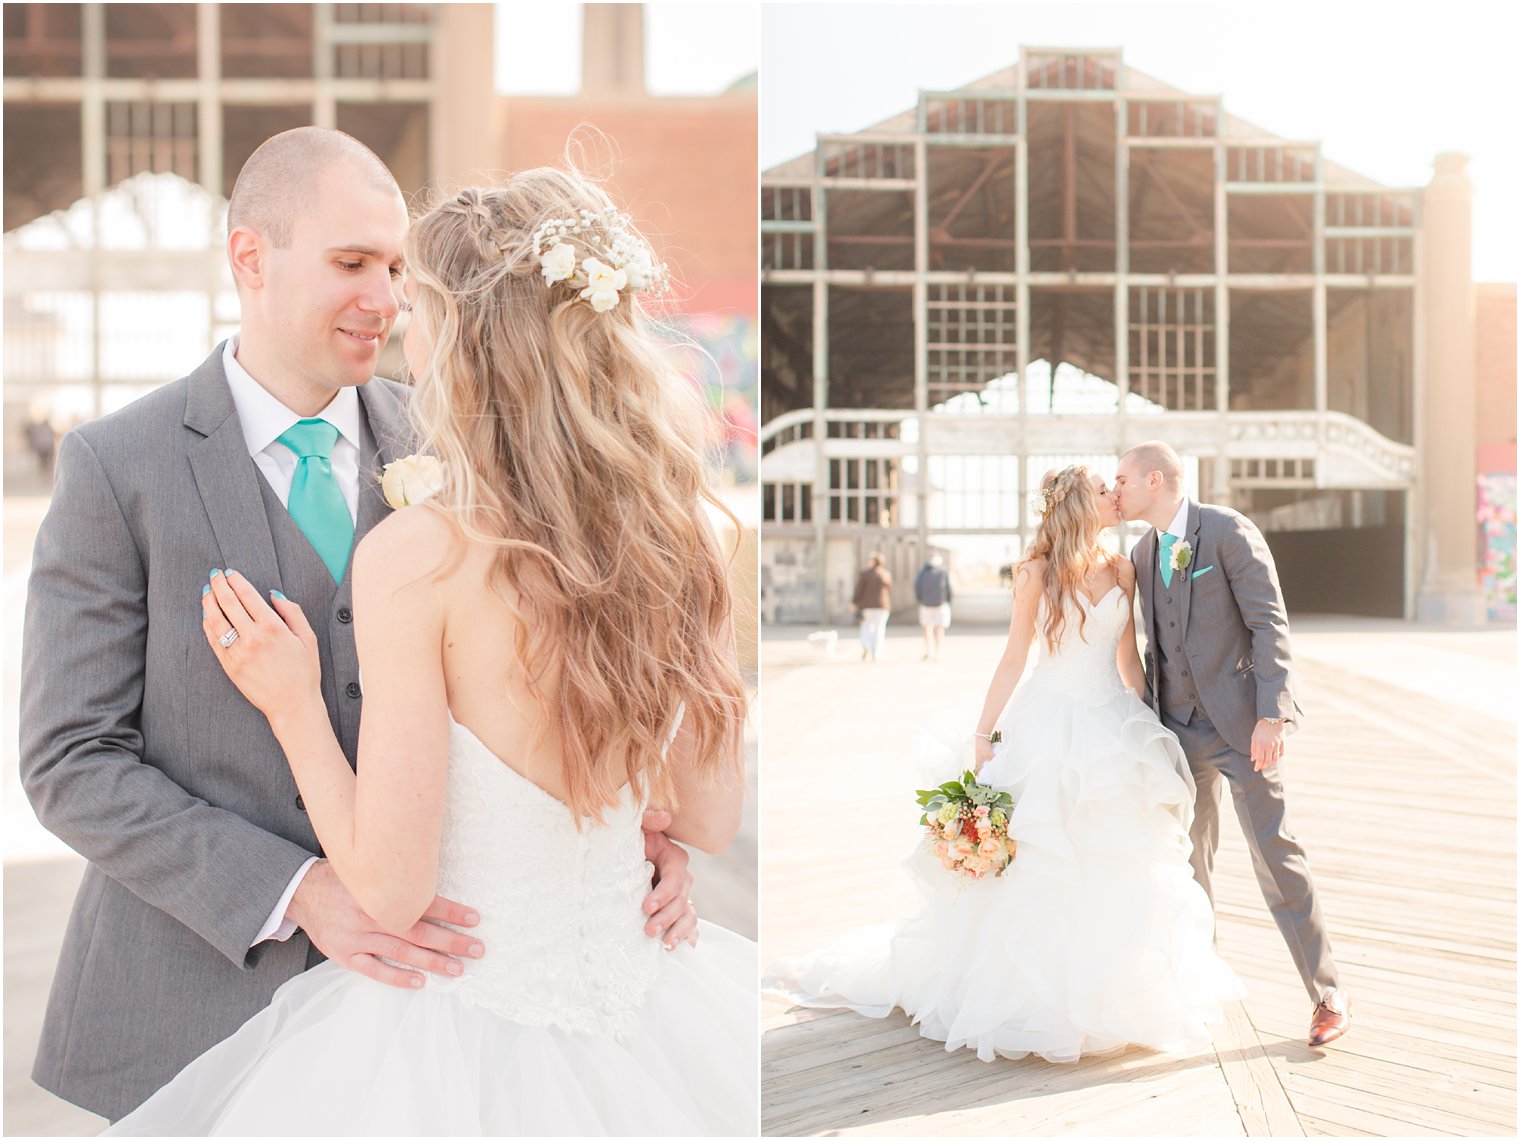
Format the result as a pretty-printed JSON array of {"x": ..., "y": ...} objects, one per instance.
[
  {"x": 1496, "y": 529},
  {"x": 728, "y": 371}
]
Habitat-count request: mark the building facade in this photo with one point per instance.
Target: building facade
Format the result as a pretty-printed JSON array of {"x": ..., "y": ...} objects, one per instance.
[{"x": 1069, "y": 256}]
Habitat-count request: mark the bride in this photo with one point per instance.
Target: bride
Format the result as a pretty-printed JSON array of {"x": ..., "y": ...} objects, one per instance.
[
  {"x": 546, "y": 648},
  {"x": 1096, "y": 936}
]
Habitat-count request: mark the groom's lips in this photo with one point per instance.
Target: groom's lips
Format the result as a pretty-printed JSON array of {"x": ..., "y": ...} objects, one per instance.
[{"x": 364, "y": 337}]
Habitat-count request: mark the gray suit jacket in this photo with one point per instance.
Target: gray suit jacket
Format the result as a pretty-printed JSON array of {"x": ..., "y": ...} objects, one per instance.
[
  {"x": 139, "y": 753},
  {"x": 1231, "y": 624}
]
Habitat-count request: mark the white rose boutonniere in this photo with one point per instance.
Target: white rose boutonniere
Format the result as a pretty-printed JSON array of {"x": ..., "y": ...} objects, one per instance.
[
  {"x": 1182, "y": 555},
  {"x": 411, "y": 480}
]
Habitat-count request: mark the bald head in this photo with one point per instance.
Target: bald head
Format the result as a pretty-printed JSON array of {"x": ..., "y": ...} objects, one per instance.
[
  {"x": 1155, "y": 455},
  {"x": 281, "y": 176}
]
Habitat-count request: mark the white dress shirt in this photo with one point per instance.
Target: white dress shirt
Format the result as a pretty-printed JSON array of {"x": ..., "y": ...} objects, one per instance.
[
  {"x": 264, "y": 419},
  {"x": 1179, "y": 521}
]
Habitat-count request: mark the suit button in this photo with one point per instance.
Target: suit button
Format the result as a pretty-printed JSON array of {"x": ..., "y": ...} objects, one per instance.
[
  {"x": 300, "y": 804},
  {"x": 352, "y": 688},
  {"x": 345, "y": 615},
  {"x": 1192, "y": 696}
]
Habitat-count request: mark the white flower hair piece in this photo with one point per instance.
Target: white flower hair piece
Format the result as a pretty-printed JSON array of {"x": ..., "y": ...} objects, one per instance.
[{"x": 615, "y": 261}]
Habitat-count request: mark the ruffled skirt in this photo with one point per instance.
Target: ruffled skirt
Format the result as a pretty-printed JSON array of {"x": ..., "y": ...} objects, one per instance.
[
  {"x": 335, "y": 1054},
  {"x": 1096, "y": 937}
]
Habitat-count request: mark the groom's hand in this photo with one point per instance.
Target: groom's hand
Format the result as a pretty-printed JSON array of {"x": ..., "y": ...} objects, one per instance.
[
  {"x": 672, "y": 916},
  {"x": 1266, "y": 744},
  {"x": 337, "y": 926}
]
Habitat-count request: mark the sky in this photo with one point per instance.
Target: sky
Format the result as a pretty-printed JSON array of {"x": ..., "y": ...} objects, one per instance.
[
  {"x": 1385, "y": 87},
  {"x": 690, "y": 49}
]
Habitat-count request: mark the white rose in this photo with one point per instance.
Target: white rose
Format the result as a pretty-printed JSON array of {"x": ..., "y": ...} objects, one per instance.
[
  {"x": 600, "y": 275},
  {"x": 601, "y": 299},
  {"x": 558, "y": 262},
  {"x": 411, "y": 480}
]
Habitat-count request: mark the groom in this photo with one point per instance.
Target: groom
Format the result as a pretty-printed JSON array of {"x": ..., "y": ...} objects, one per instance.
[
  {"x": 203, "y": 891},
  {"x": 1216, "y": 672}
]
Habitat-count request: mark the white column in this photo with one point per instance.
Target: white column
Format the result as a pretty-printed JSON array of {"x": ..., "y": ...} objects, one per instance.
[{"x": 1449, "y": 583}]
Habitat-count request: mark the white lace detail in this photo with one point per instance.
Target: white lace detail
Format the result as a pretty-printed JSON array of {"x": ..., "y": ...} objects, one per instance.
[
  {"x": 561, "y": 909},
  {"x": 1084, "y": 665}
]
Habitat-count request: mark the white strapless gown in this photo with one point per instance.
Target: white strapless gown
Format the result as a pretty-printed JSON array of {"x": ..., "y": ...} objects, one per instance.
[
  {"x": 574, "y": 1022},
  {"x": 1097, "y": 936}
]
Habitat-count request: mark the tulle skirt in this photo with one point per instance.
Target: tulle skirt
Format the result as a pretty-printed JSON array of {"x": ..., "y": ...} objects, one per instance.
[
  {"x": 1095, "y": 938},
  {"x": 335, "y": 1054}
]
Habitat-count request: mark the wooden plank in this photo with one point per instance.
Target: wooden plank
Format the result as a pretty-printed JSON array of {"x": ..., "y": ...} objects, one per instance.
[
  {"x": 1260, "y": 1100},
  {"x": 1416, "y": 876}
]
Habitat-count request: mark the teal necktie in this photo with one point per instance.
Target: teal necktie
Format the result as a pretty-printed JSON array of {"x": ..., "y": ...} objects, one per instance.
[
  {"x": 1168, "y": 540},
  {"x": 316, "y": 501}
]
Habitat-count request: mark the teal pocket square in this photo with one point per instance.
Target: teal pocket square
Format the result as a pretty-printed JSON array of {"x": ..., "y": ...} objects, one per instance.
[{"x": 1201, "y": 573}]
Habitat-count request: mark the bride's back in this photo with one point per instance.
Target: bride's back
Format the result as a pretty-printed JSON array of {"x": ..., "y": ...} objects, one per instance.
[{"x": 486, "y": 680}]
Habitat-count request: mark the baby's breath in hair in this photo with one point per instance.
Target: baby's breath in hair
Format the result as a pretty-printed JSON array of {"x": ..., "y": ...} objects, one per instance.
[{"x": 613, "y": 258}]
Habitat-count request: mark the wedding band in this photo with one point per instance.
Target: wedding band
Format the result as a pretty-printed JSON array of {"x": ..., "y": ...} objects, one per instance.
[{"x": 228, "y": 638}]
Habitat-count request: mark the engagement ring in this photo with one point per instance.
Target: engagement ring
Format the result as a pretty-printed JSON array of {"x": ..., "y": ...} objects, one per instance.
[{"x": 228, "y": 638}]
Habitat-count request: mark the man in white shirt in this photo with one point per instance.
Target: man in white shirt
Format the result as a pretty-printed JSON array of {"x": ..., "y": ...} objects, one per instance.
[{"x": 203, "y": 893}]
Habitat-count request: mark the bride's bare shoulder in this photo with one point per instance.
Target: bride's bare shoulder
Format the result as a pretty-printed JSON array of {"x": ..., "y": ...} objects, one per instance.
[
  {"x": 1031, "y": 572},
  {"x": 410, "y": 543}
]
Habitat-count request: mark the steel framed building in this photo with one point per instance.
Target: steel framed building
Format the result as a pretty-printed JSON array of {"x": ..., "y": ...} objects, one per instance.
[{"x": 1069, "y": 256}]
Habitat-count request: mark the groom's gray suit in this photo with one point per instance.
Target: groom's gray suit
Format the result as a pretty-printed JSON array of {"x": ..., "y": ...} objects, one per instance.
[
  {"x": 1216, "y": 661},
  {"x": 138, "y": 751}
]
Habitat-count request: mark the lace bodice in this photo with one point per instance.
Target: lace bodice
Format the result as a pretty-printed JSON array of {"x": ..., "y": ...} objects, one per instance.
[
  {"x": 561, "y": 909},
  {"x": 1084, "y": 664}
]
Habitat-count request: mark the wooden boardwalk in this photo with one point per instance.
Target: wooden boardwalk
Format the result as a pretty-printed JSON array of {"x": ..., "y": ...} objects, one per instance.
[{"x": 1404, "y": 797}]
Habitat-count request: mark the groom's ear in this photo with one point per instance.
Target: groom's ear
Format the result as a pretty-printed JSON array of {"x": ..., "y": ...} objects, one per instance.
[{"x": 245, "y": 251}]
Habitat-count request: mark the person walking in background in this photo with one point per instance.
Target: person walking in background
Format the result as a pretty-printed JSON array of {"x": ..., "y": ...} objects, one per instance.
[
  {"x": 932, "y": 589},
  {"x": 873, "y": 601}
]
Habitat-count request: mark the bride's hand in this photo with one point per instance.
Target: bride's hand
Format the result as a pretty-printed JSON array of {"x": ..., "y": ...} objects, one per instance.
[
  {"x": 274, "y": 660},
  {"x": 983, "y": 753}
]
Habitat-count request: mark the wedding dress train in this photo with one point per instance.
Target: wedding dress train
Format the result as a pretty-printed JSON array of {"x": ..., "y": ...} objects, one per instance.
[
  {"x": 573, "y": 1023},
  {"x": 1097, "y": 935}
]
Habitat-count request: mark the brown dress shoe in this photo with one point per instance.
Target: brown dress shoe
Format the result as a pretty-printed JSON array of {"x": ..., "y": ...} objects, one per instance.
[{"x": 1332, "y": 1017}]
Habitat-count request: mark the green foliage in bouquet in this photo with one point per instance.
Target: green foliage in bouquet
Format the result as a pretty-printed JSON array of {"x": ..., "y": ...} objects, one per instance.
[{"x": 966, "y": 790}]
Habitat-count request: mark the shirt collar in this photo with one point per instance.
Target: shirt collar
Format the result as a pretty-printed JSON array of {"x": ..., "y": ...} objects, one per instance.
[
  {"x": 1179, "y": 521},
  {"x": 264, "y": 418}
]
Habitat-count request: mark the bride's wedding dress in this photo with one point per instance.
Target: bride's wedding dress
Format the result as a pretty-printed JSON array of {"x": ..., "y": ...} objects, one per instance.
[
  {"x": 1097, "y": 936},
  {"x": 573, "y": 1023}
]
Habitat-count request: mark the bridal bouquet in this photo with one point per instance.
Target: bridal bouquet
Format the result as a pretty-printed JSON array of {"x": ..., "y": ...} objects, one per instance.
[{"x": 966, "y": 826}]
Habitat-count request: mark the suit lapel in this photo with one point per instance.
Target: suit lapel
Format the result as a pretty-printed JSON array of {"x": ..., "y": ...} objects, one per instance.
[
  {"x": 388, "y": 427},
  {"x": 1145, "y": 573},
  {"x": 1185, "y": 587},
  {"x": 227, "y": 479}
]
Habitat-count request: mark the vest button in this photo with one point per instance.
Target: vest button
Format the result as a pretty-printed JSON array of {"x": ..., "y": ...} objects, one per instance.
[
  {"x": 352, "y": 688},
  {"x": 300, "y": 804},
  {"x": 1178, "y": 649},
  {"x": 1171, "y": 623},
  {"x": 1184, "y": 672},
  {"x": 345, "y": 615}
]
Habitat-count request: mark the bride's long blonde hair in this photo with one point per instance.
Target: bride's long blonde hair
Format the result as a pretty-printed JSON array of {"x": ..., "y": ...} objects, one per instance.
[
  {"x": 571, "y": 444},
  {"x": 1067, "y": 538}
]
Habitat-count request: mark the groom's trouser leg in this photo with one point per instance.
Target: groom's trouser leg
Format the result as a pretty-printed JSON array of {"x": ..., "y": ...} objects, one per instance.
[
  {"x": 1205, "y": 830},
  {"x": 1282, "y": 871},
  {"x": 1282, "y": 868}
]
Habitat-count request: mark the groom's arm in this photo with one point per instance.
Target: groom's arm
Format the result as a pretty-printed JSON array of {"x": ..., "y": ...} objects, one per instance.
[
  {"x": 83, "y": 665},
  {"x": 1247, "y": 564}
]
